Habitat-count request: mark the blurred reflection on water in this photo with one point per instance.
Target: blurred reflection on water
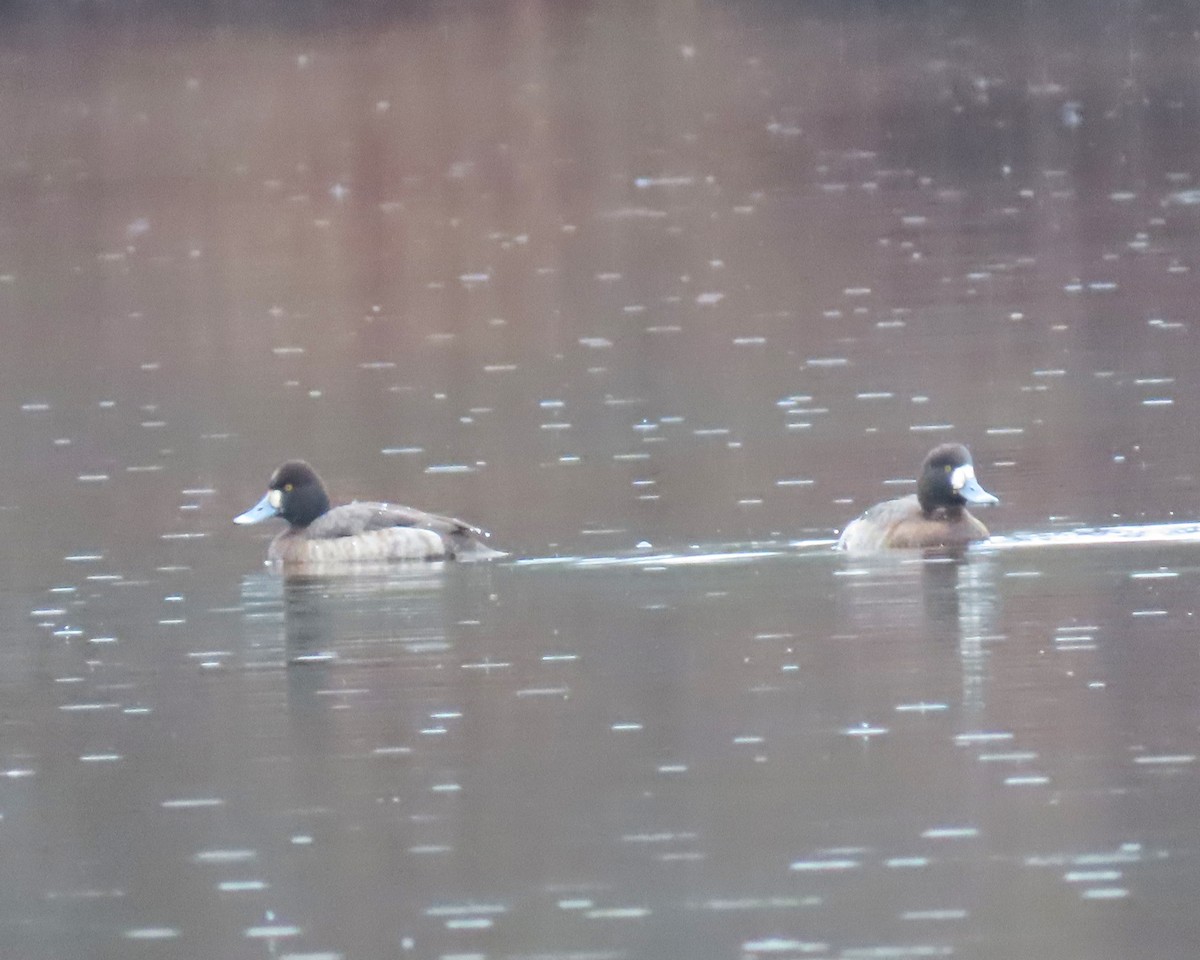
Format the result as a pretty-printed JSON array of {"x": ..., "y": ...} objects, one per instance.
[{"x": 662, "y": 294}]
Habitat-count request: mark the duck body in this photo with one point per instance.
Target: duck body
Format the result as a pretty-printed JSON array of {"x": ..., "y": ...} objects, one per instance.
[
  {"x": 935, "y": 516},
  {"x": 902, "y": 524},
  {"x": 362, "y": 531}
]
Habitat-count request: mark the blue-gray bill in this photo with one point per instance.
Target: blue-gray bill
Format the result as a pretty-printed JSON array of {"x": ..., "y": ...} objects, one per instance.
[
  {"x": 263, "y": 510},
  {"x": 970, "y": 491}
]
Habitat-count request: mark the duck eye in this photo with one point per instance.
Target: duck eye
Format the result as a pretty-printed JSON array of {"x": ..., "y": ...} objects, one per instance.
[
  {"x": 949, "y": 469},
  {"x": 287, "y": 488}
]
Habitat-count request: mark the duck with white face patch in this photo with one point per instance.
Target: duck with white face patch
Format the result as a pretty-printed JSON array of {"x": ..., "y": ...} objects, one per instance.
[
  {"x": 935, "y": 516},
  {"x": 360, "y": 531}
]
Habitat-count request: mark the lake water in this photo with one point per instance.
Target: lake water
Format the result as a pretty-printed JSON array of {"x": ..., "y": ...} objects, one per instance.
[{"x": 662, "y": 294}]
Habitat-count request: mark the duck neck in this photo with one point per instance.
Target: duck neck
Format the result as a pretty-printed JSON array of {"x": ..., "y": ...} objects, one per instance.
[
  {"x": 935, "y": 502},
  {"x": 305, "y": 505}
]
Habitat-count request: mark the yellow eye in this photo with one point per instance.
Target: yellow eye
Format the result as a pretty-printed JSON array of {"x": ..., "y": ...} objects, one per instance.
[
  {"x": 287, "y": 487},
  {"x": 949, "y": 469}
]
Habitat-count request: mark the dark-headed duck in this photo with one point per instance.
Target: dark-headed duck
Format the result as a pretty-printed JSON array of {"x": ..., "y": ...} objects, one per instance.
[
  {"x": 934, "y": 516},
  {"x": 359, "y": 531}
]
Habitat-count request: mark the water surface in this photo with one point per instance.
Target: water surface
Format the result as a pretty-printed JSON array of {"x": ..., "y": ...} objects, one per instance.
[{"x": 663, "y": 295}]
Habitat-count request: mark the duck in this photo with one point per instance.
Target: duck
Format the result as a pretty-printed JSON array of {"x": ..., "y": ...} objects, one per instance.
[
  {"x": 935, "y": 516},
  {"x": 319, "y": 533}
]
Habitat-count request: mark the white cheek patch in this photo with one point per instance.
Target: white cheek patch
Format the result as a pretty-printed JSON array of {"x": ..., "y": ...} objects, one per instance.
[
  {"x": 961, "y": 475},
  {"x": 275, "y": 498}
]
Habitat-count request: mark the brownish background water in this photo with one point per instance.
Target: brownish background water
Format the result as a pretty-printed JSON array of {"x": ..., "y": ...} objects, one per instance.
[{"x": 709, "y": 277}]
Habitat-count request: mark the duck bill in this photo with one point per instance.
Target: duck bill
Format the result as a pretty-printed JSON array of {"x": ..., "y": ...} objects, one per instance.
[
  {"x": 972, "y": 492},
  {"x": 263, "y": 510}
]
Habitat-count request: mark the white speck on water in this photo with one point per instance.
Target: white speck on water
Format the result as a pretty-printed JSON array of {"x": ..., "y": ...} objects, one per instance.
[
  {"x": 950, "y": 833},
  {"x": 749, "y": 341},
  {"x": 87, "y": 707},
  {"x": 192, "y": 803},
  {"x": 672, "y": 768},
  {"x": 465, "y": 909},
  {"x": 1030, "y": 780},
  {"x": 469, "y": 279},
  {"x": 906, "y": 862},
  {"x": 931, "y": 427},
  {"x": 1148, "y": 613},
  {"x": 944, "y": 914},
  {"x": 574, "y": 904},
  {"x": 780, "y": 945},
  {"x": 1154, "y": 575},
  {"x": 272, "y": 932},
  {"x": 643, "y": 183},
  {"x": 303, "y": 658},
  {"x": 865, "y": 731},
  {"x": 795, "y": 483},
  {"x": 1105, "y": 893},
  {"x": 224, "y": 856},
  {"x": 35, "y": 407},
  {"x": 92, "y": 477},
  {"x": 775, "y": 128},
  {"x": 555, "y": 426},
  {"x": 241, "y": 886},
  {"x": 821, "y": 866},
  {"x": 964, "y": 739},
  {"x": 618, "y": 913},
  {"x": 596, "y": 343},
  {"x": 921, "y": 707},
  {"x": 708, "y": 299},
  {"x": 875, "y": 395},
  {"x": 100, "y": 757},
  {"x": 401, "y": 451},
  {"x": 1091, "y": 876},
  {"x": 1013, "y": 756},
  {"x": 1178, "y": 759},
  {"x": 18, "y": 773},
  {"x": 151, "y": 933},
  {"x": 446, "y": 788},
  {"x": 469, "y": 923},
  {"x": 826, "y": 362},
  {"x": 450, "y": 468},
  {"x": 1158, "y": 402}
]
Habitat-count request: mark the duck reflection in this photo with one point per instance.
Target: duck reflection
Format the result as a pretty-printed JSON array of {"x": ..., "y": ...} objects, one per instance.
[{"x": 942, "y": 598}]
